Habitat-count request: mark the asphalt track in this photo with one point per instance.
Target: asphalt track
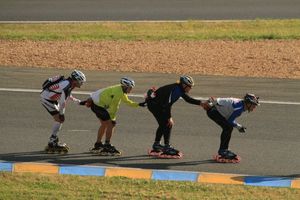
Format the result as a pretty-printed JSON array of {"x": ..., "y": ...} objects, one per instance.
[
  {"x": 132, "y": 10},
  {"x": 270, "y": 146}
]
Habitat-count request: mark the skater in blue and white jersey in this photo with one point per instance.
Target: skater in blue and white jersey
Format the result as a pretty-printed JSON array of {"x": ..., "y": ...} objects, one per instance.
[
  {"x": 56, "y": 91},
  {"x": 224, "y": 111}
]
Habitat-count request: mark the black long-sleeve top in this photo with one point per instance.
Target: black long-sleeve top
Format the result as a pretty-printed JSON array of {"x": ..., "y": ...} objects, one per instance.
[{"x": 167, "y": 95}]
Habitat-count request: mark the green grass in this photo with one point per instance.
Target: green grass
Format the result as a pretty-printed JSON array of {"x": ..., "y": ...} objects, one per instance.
[
  {"x": 155, "y": 31},
  {"x": 38, "y": 186}
]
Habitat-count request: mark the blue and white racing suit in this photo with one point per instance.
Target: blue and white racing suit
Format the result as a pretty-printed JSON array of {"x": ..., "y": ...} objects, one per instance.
[{"x": 224, "y": 112}]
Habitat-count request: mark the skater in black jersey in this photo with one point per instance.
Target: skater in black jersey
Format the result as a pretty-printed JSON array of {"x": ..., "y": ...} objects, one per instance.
[{"x": 159, "y": 103}]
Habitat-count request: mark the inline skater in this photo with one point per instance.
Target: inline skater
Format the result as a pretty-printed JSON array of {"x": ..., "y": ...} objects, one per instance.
[
  {"x": 224, "y": 111},
  {"x": 159, "y": 103},
  {"x": 56, "y": 91},
  {"x": 105, "y": 103}
]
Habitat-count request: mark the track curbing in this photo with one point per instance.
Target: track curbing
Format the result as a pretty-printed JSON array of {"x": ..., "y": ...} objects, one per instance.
[{"x": 150, "y": 174}]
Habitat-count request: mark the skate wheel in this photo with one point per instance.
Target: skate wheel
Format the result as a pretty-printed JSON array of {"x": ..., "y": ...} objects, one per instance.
[
  {"x": 95, "y": 151},
  {"x": 219, "y": 159},
  {"x": 116, "y": 154},
  {"x": 48, "y": 150},
  {"x": 154, "y": 153},
  {"x": 165, "y": 156},
  {"x": 103, "y": 153},
  {"x": 65, "y": 151}
]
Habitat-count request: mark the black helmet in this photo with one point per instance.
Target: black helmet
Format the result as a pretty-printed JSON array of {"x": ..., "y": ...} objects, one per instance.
[
  {"x": 188, "y": 80},
  {"x": 251, "y": 98}
]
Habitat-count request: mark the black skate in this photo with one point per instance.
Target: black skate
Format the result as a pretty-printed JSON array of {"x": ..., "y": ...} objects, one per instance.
[
  {"x": 227, "y": 156},
  {"x": 109, "y": 150},
  {"x": 171, "y": 153},
  {"x": 55, "y": 147},
  {"x": 98, "y": 147},
  {"x": 156, "y": 150}
]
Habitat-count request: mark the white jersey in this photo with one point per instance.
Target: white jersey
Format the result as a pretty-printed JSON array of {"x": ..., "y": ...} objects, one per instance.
[
  {"x": 229, "y": 108},
  {"x": 55, "y": 98}
]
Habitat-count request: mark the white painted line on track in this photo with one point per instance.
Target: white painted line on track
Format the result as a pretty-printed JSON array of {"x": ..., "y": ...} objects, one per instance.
[
  {"x": 135, "y": 95},
  {"x": 120, "y": 21}
]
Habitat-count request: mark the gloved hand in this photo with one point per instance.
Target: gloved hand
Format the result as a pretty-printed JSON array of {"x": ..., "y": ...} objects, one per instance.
[
  {"x": 142, "y": 104},
  {"x": 62, "y": 117},
  {"x": 206, "y": 105},
  {"x": 241, "y": 129},
  {"x": 82, "y": 103}
]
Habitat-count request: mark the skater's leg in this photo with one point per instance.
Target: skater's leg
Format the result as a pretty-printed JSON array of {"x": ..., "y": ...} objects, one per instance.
[
  {"x": 167, "y": 135},
  {"x": 158, "y": 135},
  {"x": 57, "y": 125},
  {"x": 225, "y": 136},
  {"x": 226, "y": 127},
  {"x": 161, "y": 123},
  {"x": 56, "y": 128},
  {"x": 110, "y": 128},
  {"x": 101, "y": 131}
]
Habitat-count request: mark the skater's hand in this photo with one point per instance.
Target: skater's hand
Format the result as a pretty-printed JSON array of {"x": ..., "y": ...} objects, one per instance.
[
  {"x": 170, "y": 122},
  {"x": 241, "y": 129},
  {"x": 62, "y": 118},
  {"x": 82, "y": 103},
  {"x": 143, "y": 104},
  {"x": 206, "y": 105}
]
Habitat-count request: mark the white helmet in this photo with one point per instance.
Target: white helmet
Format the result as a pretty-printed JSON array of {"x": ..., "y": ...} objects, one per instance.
[
  {"x": 127, "y": 82},
  {"x": 78, "y": 76}
]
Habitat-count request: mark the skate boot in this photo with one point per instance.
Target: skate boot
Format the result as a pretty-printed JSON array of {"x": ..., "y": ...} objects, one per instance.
[
  {"x": 109, "y": 150},
  {"x": 226, "y": 156},
  {"x": 98, "y": 147},
  {"x": 55, "y": 147},
  {"x": 156, "y": 150},
  {"x": 170, "y": 152}
]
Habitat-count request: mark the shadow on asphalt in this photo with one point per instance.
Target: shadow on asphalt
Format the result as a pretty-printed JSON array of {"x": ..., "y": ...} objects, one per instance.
[{"x": 89, "y": 158}]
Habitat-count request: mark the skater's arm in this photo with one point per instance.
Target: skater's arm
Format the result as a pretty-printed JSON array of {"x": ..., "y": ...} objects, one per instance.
[
  {"x": 233, "y": 116},
  {"x": 75, "y": 100},
  {"x": 190, "y": 100},
  {"x": 129, "y": 102}
]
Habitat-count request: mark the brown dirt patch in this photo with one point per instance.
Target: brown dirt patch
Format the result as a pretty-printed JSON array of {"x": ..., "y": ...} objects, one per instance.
[{"x": 277, "y": 59}]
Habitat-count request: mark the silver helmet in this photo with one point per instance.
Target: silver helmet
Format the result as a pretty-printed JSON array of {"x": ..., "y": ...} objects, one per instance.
[{"x": 127, "y": 82}]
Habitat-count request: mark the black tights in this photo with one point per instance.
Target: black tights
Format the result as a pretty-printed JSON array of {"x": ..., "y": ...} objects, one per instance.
[
  {"x": 162, "y": 120},
  {"x": 224, "y": 124}
]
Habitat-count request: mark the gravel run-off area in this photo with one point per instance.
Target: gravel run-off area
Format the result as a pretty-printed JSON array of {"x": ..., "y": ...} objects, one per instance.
[{"x": 269, "y": 58}]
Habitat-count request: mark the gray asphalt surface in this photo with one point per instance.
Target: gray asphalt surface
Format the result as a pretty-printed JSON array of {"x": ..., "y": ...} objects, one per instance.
[
  {"x": 270, "y": 146},
  {"x": 115, "y": 10}
]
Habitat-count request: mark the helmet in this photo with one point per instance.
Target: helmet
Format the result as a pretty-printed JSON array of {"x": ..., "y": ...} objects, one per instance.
[
  {"x": 127, "y": 82},
  {"x": 188, "y": 80},
  {"x": 78, "y": 76},
  {"x": 251, "y": 98}
]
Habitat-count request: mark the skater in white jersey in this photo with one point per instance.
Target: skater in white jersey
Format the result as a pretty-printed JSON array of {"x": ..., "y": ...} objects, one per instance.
[
  {"x": 224, "y": 111},
  {"x": 54, "y": 96}
]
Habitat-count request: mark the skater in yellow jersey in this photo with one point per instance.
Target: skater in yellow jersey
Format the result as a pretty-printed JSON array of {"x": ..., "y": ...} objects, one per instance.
[{"x": 105, "y": 103}]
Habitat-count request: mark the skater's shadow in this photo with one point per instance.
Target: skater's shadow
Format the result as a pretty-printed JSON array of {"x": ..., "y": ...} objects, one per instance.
[
  {"x": 136, "y": 161},
  {"x": 76, "y": 158},
  {"x": 163, "y": 164}
]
